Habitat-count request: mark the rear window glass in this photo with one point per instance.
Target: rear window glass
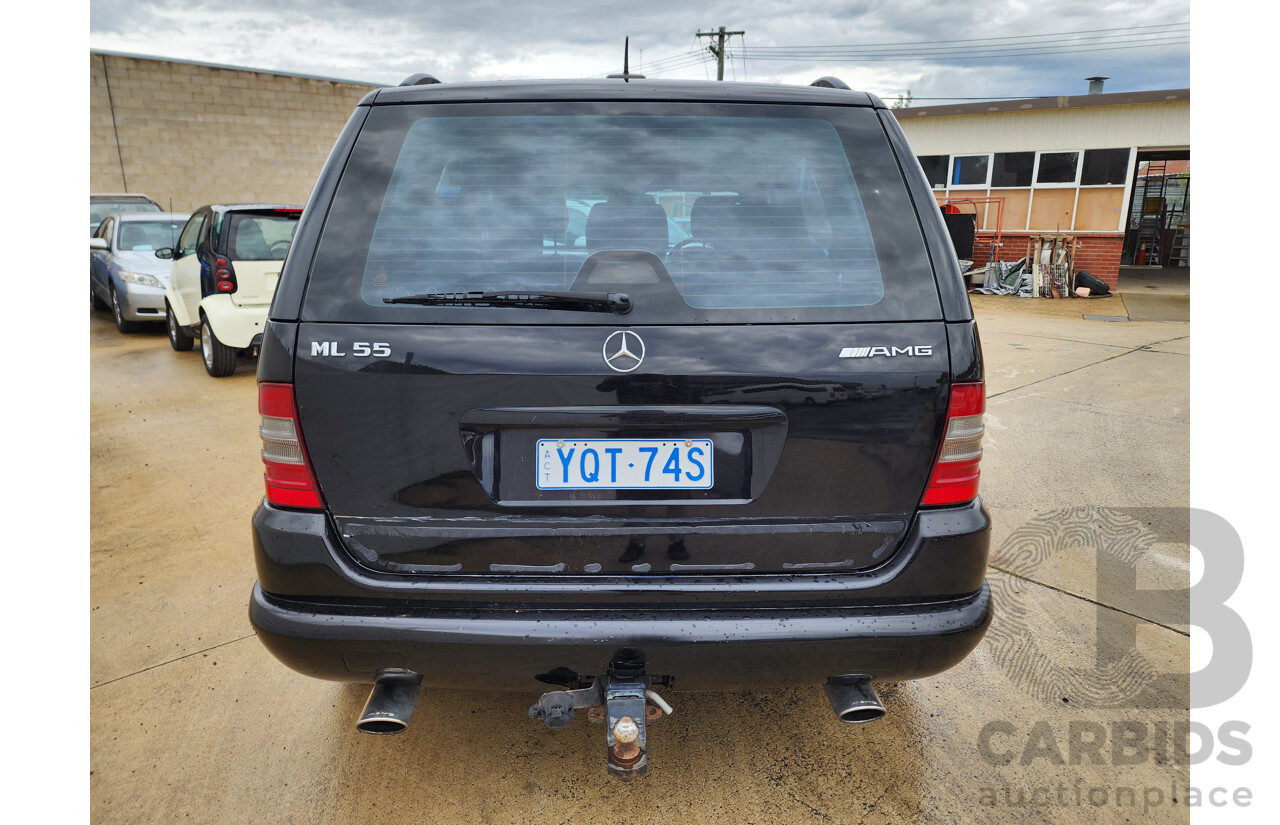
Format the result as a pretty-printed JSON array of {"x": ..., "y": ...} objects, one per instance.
[
  {"x": 259, "y": 237},
  {"x": 697, "y": 212},
  {"x": 100, "y": 209},
  {"x": 141, "y": 236}
]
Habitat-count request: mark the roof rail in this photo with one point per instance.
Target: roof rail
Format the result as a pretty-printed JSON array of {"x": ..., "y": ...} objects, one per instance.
[
  {"x": 419, "y": 79},
  {"x": 831, "y": 83}
]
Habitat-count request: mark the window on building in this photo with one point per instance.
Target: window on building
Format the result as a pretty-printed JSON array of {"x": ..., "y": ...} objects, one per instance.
[
  {"x": 970, "y": 170},
  {"x": 935, "y": 169},
  {"x": 1012, "y": 169},
  {"x": 1058, "y": 167},
  {"x": 1104, "y": 166}
]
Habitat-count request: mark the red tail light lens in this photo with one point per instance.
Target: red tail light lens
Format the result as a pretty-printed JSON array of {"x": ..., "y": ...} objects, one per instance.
[
  {"x": 955, "y": 472},
  {"x": 224, "y": 275},
  {"x": 290, "y": 481}
]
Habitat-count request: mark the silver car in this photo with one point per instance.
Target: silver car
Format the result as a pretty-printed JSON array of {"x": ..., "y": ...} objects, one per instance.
[{"x": 124, "y": 272}]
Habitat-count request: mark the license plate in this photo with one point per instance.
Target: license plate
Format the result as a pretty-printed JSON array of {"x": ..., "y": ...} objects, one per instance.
[{"x": 624, "y": 464}]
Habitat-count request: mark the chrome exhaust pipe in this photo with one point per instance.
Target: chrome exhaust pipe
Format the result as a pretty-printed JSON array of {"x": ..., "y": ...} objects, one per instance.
[
  {"x": 853, "y": 699},
  {"x": 391, "y": 702}
]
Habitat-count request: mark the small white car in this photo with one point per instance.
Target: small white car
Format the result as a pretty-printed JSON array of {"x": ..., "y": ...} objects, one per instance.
[
  {"x": 124, "y": 273},
  {"x": 223, "y": 275}
]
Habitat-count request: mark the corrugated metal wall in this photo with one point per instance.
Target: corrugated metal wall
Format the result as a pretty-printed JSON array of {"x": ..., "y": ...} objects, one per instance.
[{"x": 1091, "y": 127}]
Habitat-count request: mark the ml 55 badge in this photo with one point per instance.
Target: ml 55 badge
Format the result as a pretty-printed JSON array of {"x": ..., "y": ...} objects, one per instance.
[{"x": 887, "y": 352}]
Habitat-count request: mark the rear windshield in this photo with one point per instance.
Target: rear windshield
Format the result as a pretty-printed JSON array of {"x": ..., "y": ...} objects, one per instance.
[
  {"x": 143, "y": 236},
  {"x": 100, "y": 209},
  {"x": 253, "y": 236},
  {"x": 699, "y": 212}
]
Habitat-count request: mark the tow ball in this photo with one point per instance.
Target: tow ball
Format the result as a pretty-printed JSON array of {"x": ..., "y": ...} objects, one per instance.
[{"x": 625, "y": 703}]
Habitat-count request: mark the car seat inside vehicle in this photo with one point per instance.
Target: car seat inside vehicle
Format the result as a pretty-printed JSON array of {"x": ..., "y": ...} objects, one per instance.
[
  {"x": 627, "y": 222},
  {"x": 249, "y": 243}
]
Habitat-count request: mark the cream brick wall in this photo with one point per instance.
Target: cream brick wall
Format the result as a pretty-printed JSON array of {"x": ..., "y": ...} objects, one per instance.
[{"x": 199, "y": 134}]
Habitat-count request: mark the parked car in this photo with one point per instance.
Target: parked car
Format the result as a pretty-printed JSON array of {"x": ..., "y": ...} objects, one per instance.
[
  {"x": 488, "y": 463},
  {"x": 124, "y": 273},
  {"x": 120, "y": 204},
  {"x": 224, "y": 270}
]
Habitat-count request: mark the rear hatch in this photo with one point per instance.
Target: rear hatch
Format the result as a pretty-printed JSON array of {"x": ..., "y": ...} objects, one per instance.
[
  {"x": 256, "y": 242},
  {"x": 478, "y": 397}
]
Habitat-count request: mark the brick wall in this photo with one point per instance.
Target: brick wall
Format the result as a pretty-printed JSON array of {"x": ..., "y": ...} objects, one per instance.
[
  {"x": 1096, "y": 252},
  {"x": 192, "y": 135}
]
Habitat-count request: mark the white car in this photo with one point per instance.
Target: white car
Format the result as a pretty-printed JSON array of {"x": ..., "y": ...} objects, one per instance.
[
  {"x": 124, "y": 273},
  {"x": 222, "y": 277}
]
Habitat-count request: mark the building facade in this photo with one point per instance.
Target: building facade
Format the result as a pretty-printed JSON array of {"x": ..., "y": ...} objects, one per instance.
[
  {"x": 1061, "y": 165},
  {"x": 188, "y": 134}
]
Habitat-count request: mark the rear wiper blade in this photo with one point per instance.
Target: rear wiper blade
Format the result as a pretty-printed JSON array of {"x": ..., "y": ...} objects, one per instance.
[{"x": 618, "y": 302}]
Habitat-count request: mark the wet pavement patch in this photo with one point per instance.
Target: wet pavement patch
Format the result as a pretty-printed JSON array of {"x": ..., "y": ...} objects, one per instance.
[{"x": 1157, "y": 306}]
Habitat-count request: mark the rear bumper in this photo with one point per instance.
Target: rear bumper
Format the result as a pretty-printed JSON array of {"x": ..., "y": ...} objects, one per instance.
[
  {"x": 235, "y": 326},
  {"x": 700, "y": 650},
  {"x": 920, "y": 612}
]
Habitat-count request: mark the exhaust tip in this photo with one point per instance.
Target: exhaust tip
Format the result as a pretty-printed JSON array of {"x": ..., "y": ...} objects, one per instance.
[
  {"x": 857, "y": 716},
  {"x": 381, "y": 727},
  {"x": 391, "y": 702},
  {"x": 853, "y": 700}
]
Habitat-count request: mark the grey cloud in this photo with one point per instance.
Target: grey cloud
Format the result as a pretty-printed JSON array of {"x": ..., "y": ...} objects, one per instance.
[{"x": 383, "y": 40}]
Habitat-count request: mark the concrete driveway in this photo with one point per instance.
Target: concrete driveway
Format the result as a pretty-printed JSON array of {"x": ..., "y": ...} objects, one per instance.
[{"x": 1060, "y": 715}]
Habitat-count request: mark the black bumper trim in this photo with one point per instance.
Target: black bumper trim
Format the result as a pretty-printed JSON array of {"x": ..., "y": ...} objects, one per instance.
[{"x": 504, "y": 649}]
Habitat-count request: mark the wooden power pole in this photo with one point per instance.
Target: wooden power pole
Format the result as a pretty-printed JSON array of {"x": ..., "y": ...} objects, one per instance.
[{"x": 717, "y": 47}]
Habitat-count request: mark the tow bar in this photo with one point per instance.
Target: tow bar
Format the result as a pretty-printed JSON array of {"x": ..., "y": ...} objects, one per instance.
[{"x": 622, "y": 700}]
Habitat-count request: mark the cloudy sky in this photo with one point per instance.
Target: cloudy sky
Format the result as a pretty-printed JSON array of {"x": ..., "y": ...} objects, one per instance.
[{"x": 937, "y": 50}]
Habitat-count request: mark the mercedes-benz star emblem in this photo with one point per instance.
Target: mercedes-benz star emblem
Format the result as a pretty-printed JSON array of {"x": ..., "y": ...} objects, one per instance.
[{"x": 623, "y": 351}]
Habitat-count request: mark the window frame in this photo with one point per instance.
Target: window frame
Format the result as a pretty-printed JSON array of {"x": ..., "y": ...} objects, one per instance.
[
  {"x": 1074, "y": 183},
  {"x": 1035, "y": 159},
  {"x": 1128, "y": 172},
  {"x": 986, "y": 184},
  {"x": 946, "y": 172}
]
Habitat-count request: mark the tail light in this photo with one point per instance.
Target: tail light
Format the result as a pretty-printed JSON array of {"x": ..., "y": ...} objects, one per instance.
[
  {"x": 290, "y": 481},
  {"x": 224, "y": 276},
  {"x": 955, "y": 473}
]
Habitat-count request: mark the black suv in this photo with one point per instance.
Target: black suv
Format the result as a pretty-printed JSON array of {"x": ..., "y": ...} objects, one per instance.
[{"x": 605, "y": 387}]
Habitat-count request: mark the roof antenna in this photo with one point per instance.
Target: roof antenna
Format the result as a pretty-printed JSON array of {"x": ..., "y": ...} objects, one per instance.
[{"x": 626, "y": 64}]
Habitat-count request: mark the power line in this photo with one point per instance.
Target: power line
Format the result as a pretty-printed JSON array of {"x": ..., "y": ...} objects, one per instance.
[
  {"x": 852, "y": 58},
  {"x": 694, "y": 61},
  {"x": 991, "y": 50},
  {"x": 980, "y": 39},
  {"x": 1030, "y": 45},
  {"x": 1109, "y": 40}
]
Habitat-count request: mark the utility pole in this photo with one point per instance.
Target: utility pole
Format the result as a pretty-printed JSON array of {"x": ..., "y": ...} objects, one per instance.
[{"x": 717, "y": 48}]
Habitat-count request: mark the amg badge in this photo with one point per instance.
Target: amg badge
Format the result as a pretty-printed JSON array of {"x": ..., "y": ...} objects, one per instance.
[{"x": 888, "y": 352}]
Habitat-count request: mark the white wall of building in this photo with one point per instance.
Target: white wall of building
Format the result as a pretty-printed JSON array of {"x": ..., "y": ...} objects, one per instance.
[{"x": 1144, "y": 125}]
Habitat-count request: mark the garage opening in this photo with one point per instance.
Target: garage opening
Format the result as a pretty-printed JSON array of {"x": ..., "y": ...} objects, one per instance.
[{"x": 1158, "y": 232}]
